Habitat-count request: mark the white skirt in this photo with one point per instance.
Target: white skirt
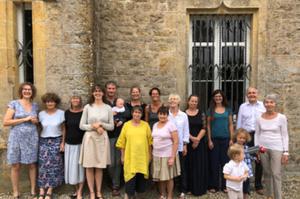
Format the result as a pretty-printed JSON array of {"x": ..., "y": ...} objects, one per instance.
[{"x": 74, "y": 172}]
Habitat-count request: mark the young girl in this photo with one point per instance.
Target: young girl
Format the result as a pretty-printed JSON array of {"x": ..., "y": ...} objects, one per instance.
[
  {"x": 235, "y": 172},
  {"x": 242, "y": 137}
]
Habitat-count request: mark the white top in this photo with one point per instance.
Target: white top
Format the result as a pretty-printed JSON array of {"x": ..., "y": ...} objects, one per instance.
[
  {"x": 51, "y": 123},
  {"x": 248, "y": 114},
  {"x": 182, "y": 123},
  {"x": 273, "y": 133},
  {"x": 118, "y": 110},
  {"x": 236, "y": 169},
  {"x": 162, "y": 139}
]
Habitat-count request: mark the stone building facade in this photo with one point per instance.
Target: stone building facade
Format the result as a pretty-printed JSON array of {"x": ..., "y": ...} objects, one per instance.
[{"x": 77, "y": 43}]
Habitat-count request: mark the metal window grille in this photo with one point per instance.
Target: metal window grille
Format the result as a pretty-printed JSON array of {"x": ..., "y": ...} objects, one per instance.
[
  {"x": 24, "y": 45},
  {"x": 219, "y": 57}
]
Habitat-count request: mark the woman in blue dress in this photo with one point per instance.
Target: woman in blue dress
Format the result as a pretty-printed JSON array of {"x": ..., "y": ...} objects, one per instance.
[{"x": 21, "y": 116}]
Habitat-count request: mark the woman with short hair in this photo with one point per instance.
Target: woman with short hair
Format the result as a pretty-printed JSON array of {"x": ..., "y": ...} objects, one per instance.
[
  {"x": 271, "y": 132},
  {"x": 51, "y": 144},
  {"x": 135, "y": 144}
]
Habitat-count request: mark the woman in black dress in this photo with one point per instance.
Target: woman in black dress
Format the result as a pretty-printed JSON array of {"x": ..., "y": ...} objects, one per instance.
[{"x": 196, "y": 159}]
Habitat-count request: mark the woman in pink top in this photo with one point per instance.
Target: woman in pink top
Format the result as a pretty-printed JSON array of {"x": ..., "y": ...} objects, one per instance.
[
  {"x": 165, "y": 165},
  {"x": 271, "y": 132}
]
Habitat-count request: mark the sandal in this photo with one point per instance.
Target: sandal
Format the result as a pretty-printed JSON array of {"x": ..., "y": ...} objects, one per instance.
[
  {"x": 48, "y": 196},
  {"x": 212, "y": 190},
  {"x": 34, "y": 195},
  {"x": 41, "y": 196},
  {"x": 73, "y": 196},
  {"x": 100, "y": 196}
]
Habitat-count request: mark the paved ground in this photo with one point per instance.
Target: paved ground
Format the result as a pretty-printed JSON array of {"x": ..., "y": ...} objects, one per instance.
[{"x": 291, "y": 190}]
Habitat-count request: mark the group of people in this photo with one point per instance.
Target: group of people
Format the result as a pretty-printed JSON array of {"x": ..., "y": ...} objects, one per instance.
[{"x": 157, "y": 141}]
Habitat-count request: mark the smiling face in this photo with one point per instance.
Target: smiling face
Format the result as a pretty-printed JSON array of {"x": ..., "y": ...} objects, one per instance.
[
  {"x": 241, "y": 138},
  {"x": 98, "y": 94},
  {"x": 75, "y": 102},
  {"x": 111, "y": 90},
  {"x": 174, "y": 101},
  {"x": 252, "y": 95},
  {"x": 26, "y": 92},
  {"x": 155, "y": 95},
  {"x": 193, "y": 102},
  {"x": 135, "y": 94},
  {"x": 270, "y": 105},
  {"x": 163, "y": 117},
  {"x": 218, "y": 98},
  {"x": 136, "y": 115},
  {"x": 50, "y": 105}
]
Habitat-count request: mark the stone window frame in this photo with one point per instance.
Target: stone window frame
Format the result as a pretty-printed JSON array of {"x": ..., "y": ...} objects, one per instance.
[{"x": 223, "y": 9}]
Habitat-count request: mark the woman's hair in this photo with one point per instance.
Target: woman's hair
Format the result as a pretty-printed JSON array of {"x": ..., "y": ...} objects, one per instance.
[
  {"x": 76, "y": 96},
  {"x": 189, "y": 98},
  {"x": 163, "y": 110},
  {"x": 272, "y": 96},
  {"x": 154, "y": 89},
  {"x": 172, "y": 95},
  {"x": 133, "y": 87},
  {"x": 137, "y": 108},
  {"x": 51, "y": 97},
  {"x": 242, "y": 131},
  {"x": 234, "y": 150},
  {"x": 212, "y": 104},
  {"x": 33, "y": 90},
  {"x": 94, "y": 88}
]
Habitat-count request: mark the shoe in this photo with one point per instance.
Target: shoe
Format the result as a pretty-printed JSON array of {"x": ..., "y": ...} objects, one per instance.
[
  {"x": 212, "y": 190},
  {"x": 260, "y": 191},
  {"x": 115, "y": 192},
  {"x": 182, "y": 196},
  {"x": 73, "y": 196}
]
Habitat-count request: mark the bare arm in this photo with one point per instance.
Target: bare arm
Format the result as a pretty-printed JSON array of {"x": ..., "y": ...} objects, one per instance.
[
  {"x": 9, "y": 121},
  {"x": 147, "y": 113},
  {"x": 62, "y": 144},
  {"x": 210, "y": 143},
  {"x": 174, "y": 136},
  {"x": 231, "y": 131}
]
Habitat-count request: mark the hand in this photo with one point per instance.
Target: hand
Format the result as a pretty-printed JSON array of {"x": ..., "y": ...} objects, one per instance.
[
  {"x": 100, "y": 130},
  {"x": 96, "y": 125},
  {"x": 184, "y": 151},
  {"x": 119, "y": 123},
  {"x": 27, "y": 119},
  {"x": 230, "y": 142},
  {"x": 171, "y": 161},
  {"x": 210, "y": 144},
  {"x": 62, "y": 147},
  {"x": 122, "y": 159},
  {"x": 34, "y": 120},
  {"x": 284, "y": 159},
  {"x": 195, "y": 145}
]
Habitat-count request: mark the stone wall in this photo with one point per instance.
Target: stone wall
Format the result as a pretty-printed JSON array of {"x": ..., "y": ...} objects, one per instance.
[{"x": 145, "y": 42}]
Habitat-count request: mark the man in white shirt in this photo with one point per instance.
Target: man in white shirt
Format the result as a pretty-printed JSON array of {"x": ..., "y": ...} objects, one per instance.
[{"x": 247, "y": 116}]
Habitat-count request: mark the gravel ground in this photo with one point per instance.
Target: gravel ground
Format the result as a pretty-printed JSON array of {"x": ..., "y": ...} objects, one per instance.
[{"x": 291, "y": 190}]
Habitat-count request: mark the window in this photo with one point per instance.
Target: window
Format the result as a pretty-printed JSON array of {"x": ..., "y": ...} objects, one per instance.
[
  {"x": 24, "y": 42},
  {"x": 219, "y": 57}
]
